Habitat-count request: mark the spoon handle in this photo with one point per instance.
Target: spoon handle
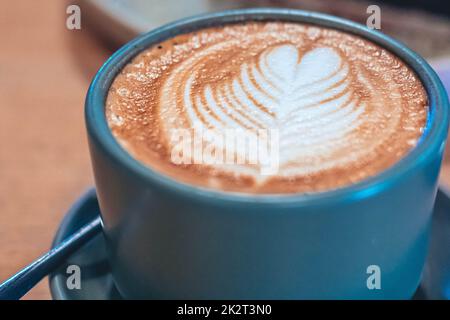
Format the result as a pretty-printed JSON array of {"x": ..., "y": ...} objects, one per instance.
[{"x": 19, "y": 284}]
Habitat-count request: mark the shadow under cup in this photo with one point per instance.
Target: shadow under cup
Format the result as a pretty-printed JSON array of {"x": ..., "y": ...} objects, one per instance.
[{"x": 166, "y": 239}]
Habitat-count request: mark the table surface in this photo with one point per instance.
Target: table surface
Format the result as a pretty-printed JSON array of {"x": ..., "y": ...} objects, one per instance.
[{"x": 45, "y": 71}]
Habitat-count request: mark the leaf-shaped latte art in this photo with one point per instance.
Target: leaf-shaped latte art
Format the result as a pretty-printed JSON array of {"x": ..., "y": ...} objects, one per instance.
[{"x": 307, "y": 97}]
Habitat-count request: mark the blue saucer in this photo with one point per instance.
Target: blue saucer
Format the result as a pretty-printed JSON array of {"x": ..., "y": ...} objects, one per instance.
[{"x": 97, "y": 282}]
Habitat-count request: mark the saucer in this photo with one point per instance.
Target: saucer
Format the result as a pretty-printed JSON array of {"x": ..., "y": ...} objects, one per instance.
[
  {"x": 96, "y": 279},
  {"x": 97, "y": 283}
]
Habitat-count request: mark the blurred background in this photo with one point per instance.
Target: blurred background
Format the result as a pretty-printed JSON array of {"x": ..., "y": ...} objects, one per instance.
[{"x": 46, "y": 68}]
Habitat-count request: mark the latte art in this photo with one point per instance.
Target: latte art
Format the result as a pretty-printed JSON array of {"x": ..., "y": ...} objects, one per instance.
[
  {"x": 343, "y": 108},
  {"x": 307, "y": 97}
]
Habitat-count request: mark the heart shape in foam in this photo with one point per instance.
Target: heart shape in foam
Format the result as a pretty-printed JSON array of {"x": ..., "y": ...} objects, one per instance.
[
  {"x": 306, "y": 96},
  {"x": 296, "y": 82}
]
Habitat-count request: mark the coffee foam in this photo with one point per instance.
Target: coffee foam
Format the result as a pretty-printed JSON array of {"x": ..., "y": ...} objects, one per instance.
[{"x": 345, "y": 109}]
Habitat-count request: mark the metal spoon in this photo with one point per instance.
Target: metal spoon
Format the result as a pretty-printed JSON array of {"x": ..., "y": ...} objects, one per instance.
[{"x": 19, "y": 284}]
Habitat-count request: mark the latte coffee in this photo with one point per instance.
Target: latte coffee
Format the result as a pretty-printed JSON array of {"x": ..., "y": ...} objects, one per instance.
[{"x": 267, "y": 107}]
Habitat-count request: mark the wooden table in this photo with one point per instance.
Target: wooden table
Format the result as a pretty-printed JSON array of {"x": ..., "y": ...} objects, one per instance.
[{"x": 45, "y": 71}]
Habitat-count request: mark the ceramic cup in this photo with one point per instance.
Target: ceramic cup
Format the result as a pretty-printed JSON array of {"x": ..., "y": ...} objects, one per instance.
[{"x": 166, "y": 239}]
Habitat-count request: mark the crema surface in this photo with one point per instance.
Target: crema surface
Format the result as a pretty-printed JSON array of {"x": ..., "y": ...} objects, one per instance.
[{"x": 341, "y": 108}]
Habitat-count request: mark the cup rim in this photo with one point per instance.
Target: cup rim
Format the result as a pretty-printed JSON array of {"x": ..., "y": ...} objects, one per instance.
[{"x": 431, "y": 142}]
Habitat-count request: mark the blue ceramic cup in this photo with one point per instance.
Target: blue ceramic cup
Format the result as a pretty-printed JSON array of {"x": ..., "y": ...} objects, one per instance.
[{"x": 167, "y": 239}]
